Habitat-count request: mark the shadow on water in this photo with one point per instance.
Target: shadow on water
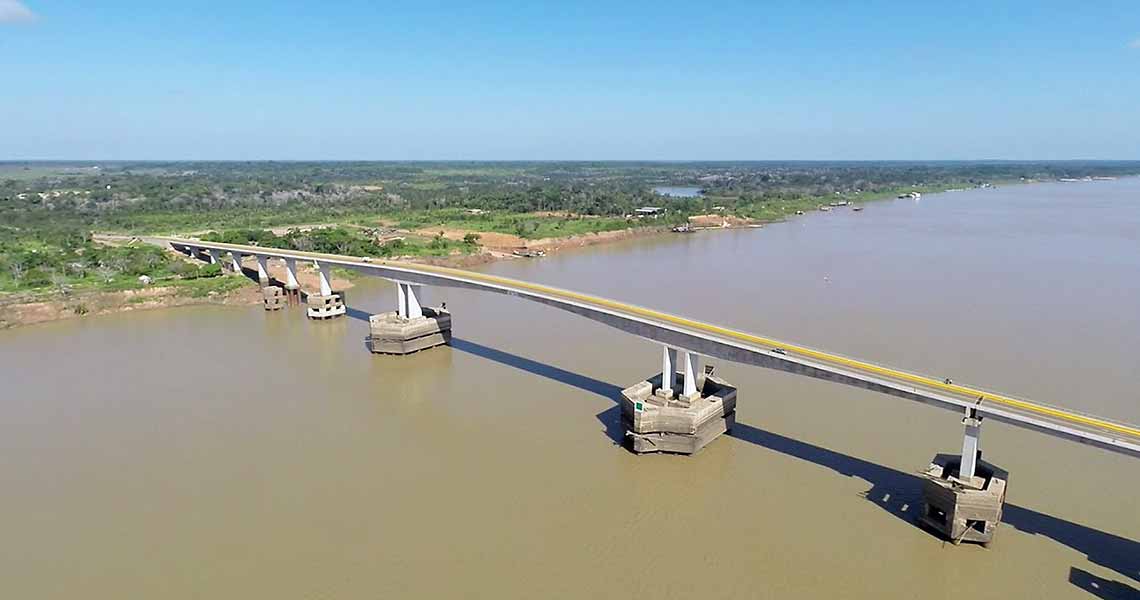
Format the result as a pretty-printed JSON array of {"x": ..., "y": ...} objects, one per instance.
[
  {"x": 610, "y": 418},
  {"x": 581, "y": 382},
  {"x": 1101, "y": 587},
  {"x": 356, "y": 313},
  {"x": 897, "y": 492}
]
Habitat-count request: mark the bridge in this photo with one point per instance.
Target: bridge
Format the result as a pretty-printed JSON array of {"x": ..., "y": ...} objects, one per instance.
[{"x": 693, "y": 339}]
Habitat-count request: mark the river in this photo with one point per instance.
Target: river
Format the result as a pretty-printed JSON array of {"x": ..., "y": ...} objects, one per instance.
[{"x": 219, "y": 452}]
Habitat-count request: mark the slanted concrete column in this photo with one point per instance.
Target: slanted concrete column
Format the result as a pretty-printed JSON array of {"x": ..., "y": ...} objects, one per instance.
[
  {"x": 262, "y": 269},
  {"x": 689, "y": 368},
  {"x": 401, "y": 301},
  {"x": 970, "y": 442},
  {"x": 215, "y": 256},
  {"x": 235, "y": 258},
  {"x": 410, "y": 328},
  {"x": 326, "y": 279},
  {"x": 192, "y": 252},
  {"x": 668, "y": 369},
  {"x": 413, "y": 294},
  {"x": 291, "y": 274}
]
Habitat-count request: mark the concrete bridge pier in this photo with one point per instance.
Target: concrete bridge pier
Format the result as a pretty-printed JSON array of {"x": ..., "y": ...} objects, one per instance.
[
  {"x": 215, "y": 256},
  {"x": 657, "y": 421},
  {"x": 262, "y": 269},
  {"x": 328, "y": 304},
  {"x": 689, "y": 362},
  {"x": 963, "y": 496},
  {"x": 272, "y": 296},
  {"x": 292, "y": 286},
  {"x": 412, "y": 295},
  {"x": 411, "y": 327},
  {"x": 235, "y": 261},
  {"x": 668, "y": 372},
  {"x": 324, "y": 271}
]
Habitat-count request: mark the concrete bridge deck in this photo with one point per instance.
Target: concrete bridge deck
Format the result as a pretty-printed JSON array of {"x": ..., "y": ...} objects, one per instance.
[{"x": 736, "y": 346}]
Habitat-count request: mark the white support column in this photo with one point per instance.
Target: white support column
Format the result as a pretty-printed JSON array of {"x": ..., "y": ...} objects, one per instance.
[
  {"x": 689, "y": 368},
  {"x": 401, "y": 301},
  {"x": 262, "y": 269},
  {"x": 413, "y": 292},
  {"x": 291, "y": 274},
  {"x": 970, "y": 442},
  {"x": 235, "y": 258},
  {"x": 668, "y": 369},
  {"x": 215, "y": 256},
  {"x": 326, "y": 278},
  {"x": 192, "y": 252}
]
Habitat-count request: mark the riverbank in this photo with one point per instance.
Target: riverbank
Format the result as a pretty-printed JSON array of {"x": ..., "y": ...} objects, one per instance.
[
  {"x": 41, "y": 306},
  {"x": 51, "y": 305},
  {"x": 229, "y": 289},
  {"x": 29, "y": 309}
]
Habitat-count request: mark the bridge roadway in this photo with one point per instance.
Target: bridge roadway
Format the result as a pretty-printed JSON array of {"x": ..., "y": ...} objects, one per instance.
[{"x": 736, "y": 346}]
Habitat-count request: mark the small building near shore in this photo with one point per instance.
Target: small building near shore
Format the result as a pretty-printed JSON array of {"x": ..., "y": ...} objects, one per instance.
[{"x": 649, "y": 211}]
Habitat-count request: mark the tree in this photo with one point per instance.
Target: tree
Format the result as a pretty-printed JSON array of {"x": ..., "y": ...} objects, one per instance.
[
  {"x": 471, "y": 239},
  {"x": 59, "y": 280},
  {"x": 106, "y": 273},
  {"x": 17, "y": 268},
  {"x": 184, "y": 269}
]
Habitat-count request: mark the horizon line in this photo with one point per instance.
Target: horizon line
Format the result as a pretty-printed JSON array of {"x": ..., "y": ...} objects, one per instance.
[{"x": 559, "y": 160}]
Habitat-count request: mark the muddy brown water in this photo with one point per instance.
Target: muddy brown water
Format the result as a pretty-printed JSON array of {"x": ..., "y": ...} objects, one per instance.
[{"x": 219, "y": 452}]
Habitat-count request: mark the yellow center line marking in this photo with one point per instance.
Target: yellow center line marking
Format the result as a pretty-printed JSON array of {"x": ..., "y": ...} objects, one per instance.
[{"x": 728, "y": 333}]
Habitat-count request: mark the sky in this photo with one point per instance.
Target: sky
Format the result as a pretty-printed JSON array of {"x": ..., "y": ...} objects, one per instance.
[{"x": 582, "y": 80}]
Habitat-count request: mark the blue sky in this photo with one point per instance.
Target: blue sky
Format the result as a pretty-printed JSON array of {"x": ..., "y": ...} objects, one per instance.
[{"x": 576, "y": 80}]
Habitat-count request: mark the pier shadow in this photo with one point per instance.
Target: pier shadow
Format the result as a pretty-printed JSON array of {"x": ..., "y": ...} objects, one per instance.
[
  {"x": 900, "y": 493},
  {"x": 897, "y": 492},
  {"x": 610, "y": 418},
  {"x": 1101, "y": 587},
  {"x": 582, "y": 382},
  {"x": 251, "y": 274},
  {"x": 356, "y": 313}
]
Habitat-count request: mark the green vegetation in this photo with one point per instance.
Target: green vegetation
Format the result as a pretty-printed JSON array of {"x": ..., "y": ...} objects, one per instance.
[
  {"x": 49, "y": 209},
  {"x": 200, "y": 288},
  {"x": 525, "y": 225},
  {"x": 343, "y": 240},
  {"x": 527, "y": 199},
  {"x": 66, "y": 261}
]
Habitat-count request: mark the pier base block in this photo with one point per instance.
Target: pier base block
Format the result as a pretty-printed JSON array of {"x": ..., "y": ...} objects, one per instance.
[
  {"x": 391, "y": 334},
  {"x": 325, "y": 307},
  {"x": 273, "y": 297},
  {"x": 962, "y": 511},
  {"x": 657, "y": 421}
]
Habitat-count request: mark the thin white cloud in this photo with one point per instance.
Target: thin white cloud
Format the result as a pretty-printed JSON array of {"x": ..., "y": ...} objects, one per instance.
[
  {"x": 14, "y": 11},
  {"x": 1134, "y": 44}
]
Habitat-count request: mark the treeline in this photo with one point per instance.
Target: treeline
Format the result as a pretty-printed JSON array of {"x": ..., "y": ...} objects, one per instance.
[
  {"x": 177, "y": 196},
  {"x": 342, "y": 240}
]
